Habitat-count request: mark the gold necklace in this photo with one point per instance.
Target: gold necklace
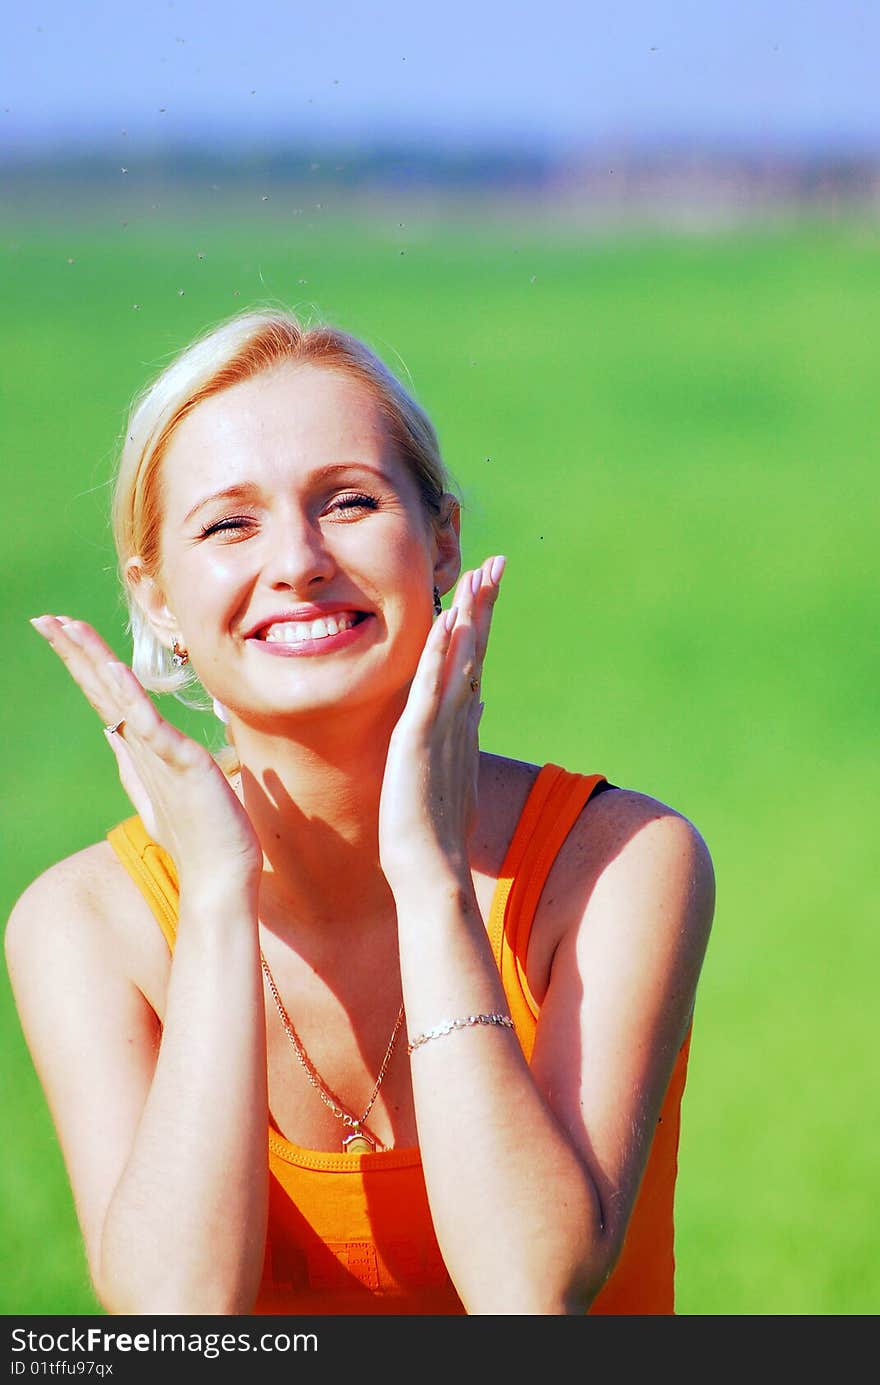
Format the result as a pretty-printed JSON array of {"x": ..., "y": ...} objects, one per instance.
[{"x": 357, "y": 1141}]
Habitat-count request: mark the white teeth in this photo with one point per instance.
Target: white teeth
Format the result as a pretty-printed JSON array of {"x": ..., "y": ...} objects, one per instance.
[{"x": 296, "y": 631}]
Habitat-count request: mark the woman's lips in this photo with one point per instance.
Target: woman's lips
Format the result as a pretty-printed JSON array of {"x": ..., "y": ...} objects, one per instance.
[{"x": 324, "y": 635}]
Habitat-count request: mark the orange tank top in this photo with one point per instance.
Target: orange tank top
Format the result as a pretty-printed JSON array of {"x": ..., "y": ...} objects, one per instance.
[{"x": 352, "y": 1233}]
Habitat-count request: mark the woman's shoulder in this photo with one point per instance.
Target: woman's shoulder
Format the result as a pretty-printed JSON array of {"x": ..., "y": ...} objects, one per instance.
[
  {"x": 86, "y": 878},
  {"x": 86, "y": 899},
  {"x": 625, "y": 847},
  {"x": 616, "y": 814},
  {"x": 636, "y": 872},
  {"x": 611, "y": 814}
]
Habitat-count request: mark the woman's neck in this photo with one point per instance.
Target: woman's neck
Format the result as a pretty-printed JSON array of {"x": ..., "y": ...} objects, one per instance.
[{"x": 313, "y": 798}]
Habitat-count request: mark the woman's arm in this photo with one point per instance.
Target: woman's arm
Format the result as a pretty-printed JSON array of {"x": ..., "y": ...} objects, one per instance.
[
  {"x": 163, "y": 1127},
  {"x": 532, "y": 1173}
]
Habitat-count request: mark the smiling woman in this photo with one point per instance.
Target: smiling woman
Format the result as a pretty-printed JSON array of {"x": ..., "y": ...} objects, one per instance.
[
  {"x": 216, "y": 996},
  {"x": 241, "y": 350},
  {"x": 276, "y": 528}
]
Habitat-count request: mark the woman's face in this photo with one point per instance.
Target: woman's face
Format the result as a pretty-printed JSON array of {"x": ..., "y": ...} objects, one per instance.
[{"x": 296, "y": 559}]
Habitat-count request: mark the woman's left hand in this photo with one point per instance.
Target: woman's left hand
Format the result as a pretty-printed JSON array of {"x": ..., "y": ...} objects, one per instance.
[{"x": 429, "y": 791}]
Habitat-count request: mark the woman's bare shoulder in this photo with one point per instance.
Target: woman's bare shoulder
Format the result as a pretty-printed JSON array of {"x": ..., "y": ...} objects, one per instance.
[
  {"x": 89, "y": 880},
  {"x": 616, "y": 815},
  {"x": 612, "y": 816},
  {"x": 626, "y": 848},
  {"x": 84, "y": 900},
  {"x": 621, "y": 836}
]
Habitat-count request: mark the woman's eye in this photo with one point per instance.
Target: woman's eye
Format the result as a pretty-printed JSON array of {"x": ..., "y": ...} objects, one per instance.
[
  {"x": 353, "y": 504},
  {"x": 235, "y": 523}
]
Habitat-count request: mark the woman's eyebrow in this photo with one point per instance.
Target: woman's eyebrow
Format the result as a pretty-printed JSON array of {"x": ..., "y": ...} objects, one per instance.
[
  {"x": 237, "y": 492},
  {"x": 321, "y": 474}
]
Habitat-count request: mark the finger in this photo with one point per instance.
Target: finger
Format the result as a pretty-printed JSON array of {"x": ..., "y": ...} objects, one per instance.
[
  {"x": 482, "y": 584},
  {"x": 464, "y": 588},
  {"x": 131, "y": 781},
  {"x": 99, "y": 659},
  {"x": 428, "y": 681},
  {"x": 115, "y": 693},
  {"x": 477, "y": 594},
  {"x": 146, "y": 728},
  {"x": 462, "y": 671},
  {"x": 493, "y": 569},
  {"x": 466, "y": 657},
  {"x": 83, "y": 654},
  {"x": 113, "y": 686},
  {"x": 85, "y": 637},
  {"x": 443, "y": 656}
]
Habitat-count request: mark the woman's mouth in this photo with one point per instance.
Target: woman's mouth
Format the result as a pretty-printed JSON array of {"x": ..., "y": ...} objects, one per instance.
[{"x": 321, "y": 635}]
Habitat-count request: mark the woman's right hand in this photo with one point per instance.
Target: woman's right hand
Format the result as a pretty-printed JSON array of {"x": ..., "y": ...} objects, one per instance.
[{"x": 181, "y": 794}]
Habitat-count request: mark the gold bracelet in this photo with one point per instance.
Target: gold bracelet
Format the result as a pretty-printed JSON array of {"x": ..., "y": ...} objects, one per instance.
[{"x": 464, "y": 1023}]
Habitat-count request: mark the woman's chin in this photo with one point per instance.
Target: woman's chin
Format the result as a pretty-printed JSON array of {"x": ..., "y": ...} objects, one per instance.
[{"x": 292, "y": 711}]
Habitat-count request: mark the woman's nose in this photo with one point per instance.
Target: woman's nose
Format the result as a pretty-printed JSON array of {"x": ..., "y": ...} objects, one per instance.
[{"x": 297, "y": 556}]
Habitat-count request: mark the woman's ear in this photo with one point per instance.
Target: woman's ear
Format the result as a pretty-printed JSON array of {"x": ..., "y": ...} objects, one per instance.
[
  {"x": 447, "y": 539},
  {"x": 151, "y": 599}
]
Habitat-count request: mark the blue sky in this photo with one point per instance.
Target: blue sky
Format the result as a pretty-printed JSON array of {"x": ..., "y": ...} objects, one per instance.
[{"x": 546, "y": 72}]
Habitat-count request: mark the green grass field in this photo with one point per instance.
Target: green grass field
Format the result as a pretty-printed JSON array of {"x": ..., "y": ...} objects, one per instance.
[{"x": 674, "y": 440}]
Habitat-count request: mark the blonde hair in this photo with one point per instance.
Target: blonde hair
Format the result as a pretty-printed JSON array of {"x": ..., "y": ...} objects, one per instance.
[{"x": 237, "y": 349}]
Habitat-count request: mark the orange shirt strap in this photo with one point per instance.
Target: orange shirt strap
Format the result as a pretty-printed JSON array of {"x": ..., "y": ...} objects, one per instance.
[
  {"x": 554, "y": 803},
  {"x": 152, "y": 870}
]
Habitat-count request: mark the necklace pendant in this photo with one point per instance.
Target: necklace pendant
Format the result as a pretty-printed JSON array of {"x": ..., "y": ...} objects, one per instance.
[{"x": 358, "y": 1142}]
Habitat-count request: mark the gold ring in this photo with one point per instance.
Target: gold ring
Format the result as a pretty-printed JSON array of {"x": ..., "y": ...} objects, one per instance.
[{"x": 114, "y": 727}]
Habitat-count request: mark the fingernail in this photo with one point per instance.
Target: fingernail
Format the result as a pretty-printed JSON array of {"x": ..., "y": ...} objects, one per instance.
[
  {"x": 476, "y": 580},
  {"x": 449, "y": 617},
  {"x": 497, "y": 567},
  {"x": 71, "y": 632},
  {"x": 37, "y": 623}
]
